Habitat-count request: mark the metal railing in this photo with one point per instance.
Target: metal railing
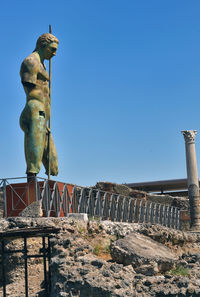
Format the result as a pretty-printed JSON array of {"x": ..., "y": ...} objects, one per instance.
[
  {"x": 59, "y": 201},
  {"x": 45, "y": 252},
  {"x": 23, "y": 189}
]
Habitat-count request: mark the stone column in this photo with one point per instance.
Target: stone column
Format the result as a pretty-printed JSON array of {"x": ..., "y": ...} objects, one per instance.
[{"x": 192, "y": 179}]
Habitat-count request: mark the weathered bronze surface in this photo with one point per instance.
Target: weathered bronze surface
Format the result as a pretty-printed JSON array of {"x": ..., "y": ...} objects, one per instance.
[{"x": 35, "y": 115}]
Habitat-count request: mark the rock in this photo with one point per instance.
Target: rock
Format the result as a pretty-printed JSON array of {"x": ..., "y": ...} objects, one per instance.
[
  {"x": 87, "y": 259},
  {"x": 4, "y": 224},
  {"x": 183, "y": 283},
  {"x": 190, "y": 290},
  {"x": 106, "y": 273},
  {"x": 78, "y": 216},
  {"x": 19, "y": 222},
  {"x": 138, "y": 250},
  {"x": 147, "y": 283},
  {"x": 77, "y": 272},
  {"x": 116, "y": 268},
  {"x": 34, "y": 210},
  {"x": 148, "y": 269},
  {"x": 180, "y": 202},
  {"x": 98, "y": 263},
  {"x": 168, "y": 276},
  {"x": 120, "y": 189},
  {"x": 119, "y": 229}
]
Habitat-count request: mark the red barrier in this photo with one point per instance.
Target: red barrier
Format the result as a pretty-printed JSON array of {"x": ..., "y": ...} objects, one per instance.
[{"x": 20, "y": 195}]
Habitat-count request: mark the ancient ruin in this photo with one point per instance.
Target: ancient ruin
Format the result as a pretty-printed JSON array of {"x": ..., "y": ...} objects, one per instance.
[{"x": 59, "y": 239}]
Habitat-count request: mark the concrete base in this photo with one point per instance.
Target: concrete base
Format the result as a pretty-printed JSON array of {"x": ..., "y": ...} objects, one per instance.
[{"x": 78, "y": 216}]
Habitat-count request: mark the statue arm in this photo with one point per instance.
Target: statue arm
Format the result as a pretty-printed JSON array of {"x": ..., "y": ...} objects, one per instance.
[{"x": 28, "y": 72}]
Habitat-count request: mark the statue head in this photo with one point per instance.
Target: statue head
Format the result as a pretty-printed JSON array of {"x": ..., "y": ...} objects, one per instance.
[{"x": 47, "y": 43}]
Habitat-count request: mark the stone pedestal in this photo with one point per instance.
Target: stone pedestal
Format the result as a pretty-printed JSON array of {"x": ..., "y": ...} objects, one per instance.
[{"x": 192, "y": 179}]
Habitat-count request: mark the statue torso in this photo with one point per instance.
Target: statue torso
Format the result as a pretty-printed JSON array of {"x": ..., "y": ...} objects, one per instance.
[{"x": 35, "y": 79}]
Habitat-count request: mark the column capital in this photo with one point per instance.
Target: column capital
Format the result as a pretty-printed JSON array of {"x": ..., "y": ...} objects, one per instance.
[{"x": 189, "y": 135}]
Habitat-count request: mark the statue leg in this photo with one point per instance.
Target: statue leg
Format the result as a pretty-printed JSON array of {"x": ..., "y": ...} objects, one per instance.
[
  {"x": 34, "y": 145},
  {"x": 53, "y": 157},
  {"x": 35, "y": 134}
]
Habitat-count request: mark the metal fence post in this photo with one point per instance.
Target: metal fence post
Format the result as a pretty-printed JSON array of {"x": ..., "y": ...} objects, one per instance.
[
  {"x": 5, "y": 199},
  {"x": 3, "y": 267}
]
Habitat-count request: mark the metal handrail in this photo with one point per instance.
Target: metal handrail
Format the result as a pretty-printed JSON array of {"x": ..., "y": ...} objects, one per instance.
[{"x": 95, "y": 202}]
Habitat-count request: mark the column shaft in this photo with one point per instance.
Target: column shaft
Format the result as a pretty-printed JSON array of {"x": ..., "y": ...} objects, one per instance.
[{"x": 192, "y": 179}]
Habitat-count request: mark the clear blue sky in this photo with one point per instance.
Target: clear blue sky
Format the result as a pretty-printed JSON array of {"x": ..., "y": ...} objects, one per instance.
[{"x": 125, "y": 82}]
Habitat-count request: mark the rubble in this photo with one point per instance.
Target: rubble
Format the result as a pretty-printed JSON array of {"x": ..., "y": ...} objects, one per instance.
[{"x": 84, "y": 264}]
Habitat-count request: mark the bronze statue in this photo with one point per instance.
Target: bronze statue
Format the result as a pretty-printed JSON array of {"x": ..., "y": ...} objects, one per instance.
[{"x": 36, "y": 114}]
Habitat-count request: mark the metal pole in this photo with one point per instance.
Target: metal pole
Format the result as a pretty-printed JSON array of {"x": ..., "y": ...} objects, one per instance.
[
  {"x": 5, "y": 198},
  {"x": 26, "y": 266},
  {"x": 49, "y": 265},
  {"x": 36, "y": 189},
  {"x": 3, "y": 267},
  {"x": 45, "y": 265},
  {"x": 49, "y": 132}
]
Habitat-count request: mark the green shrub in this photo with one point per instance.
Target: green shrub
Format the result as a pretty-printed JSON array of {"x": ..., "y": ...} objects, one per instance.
[
  {"x": 101, "y": 248},
  {"x": 97, "y": 249},
  {"x": 81, "y": 229},
  {"x": 107, "y": 249},
  {"x": 180, "y": 270}
]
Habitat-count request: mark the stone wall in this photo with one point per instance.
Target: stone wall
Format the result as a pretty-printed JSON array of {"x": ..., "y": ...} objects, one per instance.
[
  {"x": 120, "y": 189},
  {"x": 113, "y": 259},
  {"x": 180, "y": 202}
]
